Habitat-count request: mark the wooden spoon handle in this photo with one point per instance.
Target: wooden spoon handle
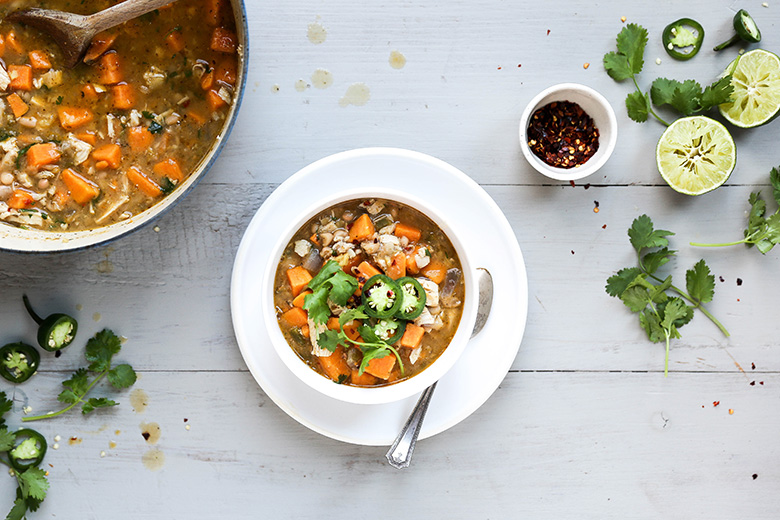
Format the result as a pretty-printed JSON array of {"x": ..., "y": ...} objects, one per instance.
[{"x": 123, "y": 12}]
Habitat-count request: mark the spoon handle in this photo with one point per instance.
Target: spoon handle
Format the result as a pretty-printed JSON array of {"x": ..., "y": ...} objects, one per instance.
[
  {"x": 123, "y": 12},
  {"x": 400, "y": 454}
]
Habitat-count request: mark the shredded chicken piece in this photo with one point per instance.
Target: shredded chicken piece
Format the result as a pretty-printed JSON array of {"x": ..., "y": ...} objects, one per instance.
[
  {"x": 431, "y": 291},
  {"x": 5, "y": 79},
  {"x": 414, "y": 355},
  {"x": 314, "y": 332},
  {"x": 302, "y": 248},
  {"x": 78, "y": 148},
  {"x": 118, "y": 204}
]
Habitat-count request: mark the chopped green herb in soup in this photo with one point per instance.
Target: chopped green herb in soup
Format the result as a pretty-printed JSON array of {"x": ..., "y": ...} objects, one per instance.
[
  {"x": 369, "y": 292},
  {"x": 96, "y": 144}
]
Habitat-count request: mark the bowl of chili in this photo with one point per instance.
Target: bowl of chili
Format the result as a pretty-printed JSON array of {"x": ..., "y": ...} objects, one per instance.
[
  {"x": 387, "y": 392},
  {"x": 568, "y": 131},
  {"x": 98, "y": 151}
]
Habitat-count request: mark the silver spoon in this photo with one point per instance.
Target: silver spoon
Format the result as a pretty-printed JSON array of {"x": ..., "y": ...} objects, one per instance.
[
  {"x": 400, "y": 454},
  {"x": 74, "y": 32}
]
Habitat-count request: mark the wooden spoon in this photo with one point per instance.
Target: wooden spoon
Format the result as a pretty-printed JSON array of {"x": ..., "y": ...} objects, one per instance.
[{"x": 74, "y": 32}]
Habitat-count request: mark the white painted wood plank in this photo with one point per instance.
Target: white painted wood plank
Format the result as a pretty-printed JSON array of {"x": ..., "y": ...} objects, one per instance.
[{"x": 545, "y": 445}]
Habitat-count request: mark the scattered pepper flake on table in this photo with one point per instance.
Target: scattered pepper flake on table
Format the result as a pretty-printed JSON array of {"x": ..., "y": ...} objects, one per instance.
[
  {"x": 715, "y": 403},
  {"x": 623, "y": 19},
  {"x": 739, "y": 282},
  {"x": 585, "y": 65},
  {"x": 731, "y": 411},
  {"x": 755, "y": 476}
]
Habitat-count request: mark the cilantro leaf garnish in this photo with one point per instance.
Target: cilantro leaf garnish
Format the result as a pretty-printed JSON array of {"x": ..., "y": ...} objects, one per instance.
[
  {"x": 643, "y": 292},
  {"x": 330, "y": 283},
  {"x": 100, "y": 352},
  {"x": 762, "y": 232}
]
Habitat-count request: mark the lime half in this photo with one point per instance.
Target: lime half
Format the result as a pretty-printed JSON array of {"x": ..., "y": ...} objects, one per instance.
[
  {"x": 696, "y": 155},
  {"x": 756, "y": 94}
]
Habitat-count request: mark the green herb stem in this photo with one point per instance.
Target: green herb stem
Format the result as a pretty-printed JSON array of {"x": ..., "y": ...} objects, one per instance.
[
  {"x": 81, "y": 400},
  {"x": 649, "y": 107},
  {"x": 725, "y": 244},
  {"x": 696, "y": 304}
]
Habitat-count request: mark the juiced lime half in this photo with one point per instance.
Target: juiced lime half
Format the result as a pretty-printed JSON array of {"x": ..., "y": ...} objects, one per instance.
[
  {"x": 756, "y": 96},
  {"x": 696, "y": 155}
]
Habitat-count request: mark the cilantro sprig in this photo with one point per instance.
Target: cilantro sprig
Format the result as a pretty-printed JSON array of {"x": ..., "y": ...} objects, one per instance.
[
  {"x": 100, "y": 352},
  {"x": 32, "y": 483},
  {"x": 661, "y": 315},
  {"x": 762, "y": 232},
  {"x": 686, "y": 97}
]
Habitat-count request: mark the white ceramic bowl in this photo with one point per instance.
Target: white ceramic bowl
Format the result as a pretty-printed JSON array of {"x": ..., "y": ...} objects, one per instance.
[
  {"x": 596, "y": 106},
  {"x": 382, "y": 394},
  {"x": 13, "y": 238}
]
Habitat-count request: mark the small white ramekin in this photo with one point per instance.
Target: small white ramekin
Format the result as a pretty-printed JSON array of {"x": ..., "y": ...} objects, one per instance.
[{"x": 596, "y": 106}]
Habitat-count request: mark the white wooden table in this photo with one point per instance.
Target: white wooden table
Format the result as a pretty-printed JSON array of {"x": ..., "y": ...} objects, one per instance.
[{"x": 584, "y": 426}]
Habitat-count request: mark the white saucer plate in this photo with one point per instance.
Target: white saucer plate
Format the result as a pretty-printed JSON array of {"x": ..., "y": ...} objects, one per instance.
[{"x": 483, "y": 229}]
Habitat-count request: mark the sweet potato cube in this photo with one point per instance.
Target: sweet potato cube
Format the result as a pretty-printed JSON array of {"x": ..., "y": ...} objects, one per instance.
[
  {"x": 412, "y": 336},
  {"x": 73, "y": 117},
  {"x": 223, "y": 40},
  {"x": 17, "y": 104},
  {"x": 364, "y": 379},
  {"x": 123, "y": 96},
  {"x": 299, "y": 300},
  {"x": 143, "y": 182},
  {"x": 298, "y": 277},
  {"x": 169, "y": 168},
  {"x": 110, "y": 153},
  {"x": 39, "y": 60},
  {"x": 397, "y": 268},
  {"x": 410, "y": 232},
  {"x": 335, "y": 366},
  {"x": 81, "y": 189},
  {"x": 296, "y": 317},
  {"x": 42, "y": 154},
  {"x": 139, "y": 138},
  {"x": 21, "y": 77},
  {"x": 362, "y": 229},
  {"x": 20, "y": 199},
  {"x": 435, "y": 271},
  {"x": 381, "y": 367}
]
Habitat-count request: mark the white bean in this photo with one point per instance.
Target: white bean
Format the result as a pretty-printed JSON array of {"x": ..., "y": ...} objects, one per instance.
[
  {"x": 7, "y": 178},
  {"x": 28, "y": 122}
]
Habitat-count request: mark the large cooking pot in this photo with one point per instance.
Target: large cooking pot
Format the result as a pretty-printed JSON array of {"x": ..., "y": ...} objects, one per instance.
[{"x": 34, "y": 241}]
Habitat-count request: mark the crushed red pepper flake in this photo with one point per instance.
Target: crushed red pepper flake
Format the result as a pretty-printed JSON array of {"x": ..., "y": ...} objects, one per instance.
[
  {"x": 563, "y": 135},
  {"x": 721, "y": 279},
  {"x": 548, "y": 32},
  {"x": 715, "y": 403},
  {"x": 572, "y": 184},
  {"x": 755, "y": 476},
  {"x": 752, "y": 366},
  {"x": 731, "y": 411},
  {"x": 739, "y": 281},
  {"x": 752, "y": 383}
]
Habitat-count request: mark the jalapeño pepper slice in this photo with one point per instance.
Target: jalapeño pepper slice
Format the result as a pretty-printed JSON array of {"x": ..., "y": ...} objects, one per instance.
[
  {"x": 381, "y": 296},
  {"x": 56, "y": 331},
  {"x": 677, "y": 35},
  {"x": 412, "y": 298},
  {"x": 746, "y": 29},
  {"x": 18, "y": 362},
  {"x": 389, "y": 330},
  {"x": 29, "y": 452}
]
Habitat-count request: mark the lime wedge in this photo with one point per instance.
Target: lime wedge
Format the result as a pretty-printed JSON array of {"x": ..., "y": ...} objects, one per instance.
[
  {"x": 696, "y": 155},
  {"x": 756, "y": 94}
]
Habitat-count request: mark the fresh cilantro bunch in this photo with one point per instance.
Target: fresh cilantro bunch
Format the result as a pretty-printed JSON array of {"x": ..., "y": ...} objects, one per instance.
[
  {"x": 333, "y": 284},
  {"x": 661, "y": 315},
  {"x": 685, "y": 97},
  {"x": 31, "y": 483},
  {"x": 762, "y": 232},
  {"x": 99, "y": 352}
]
